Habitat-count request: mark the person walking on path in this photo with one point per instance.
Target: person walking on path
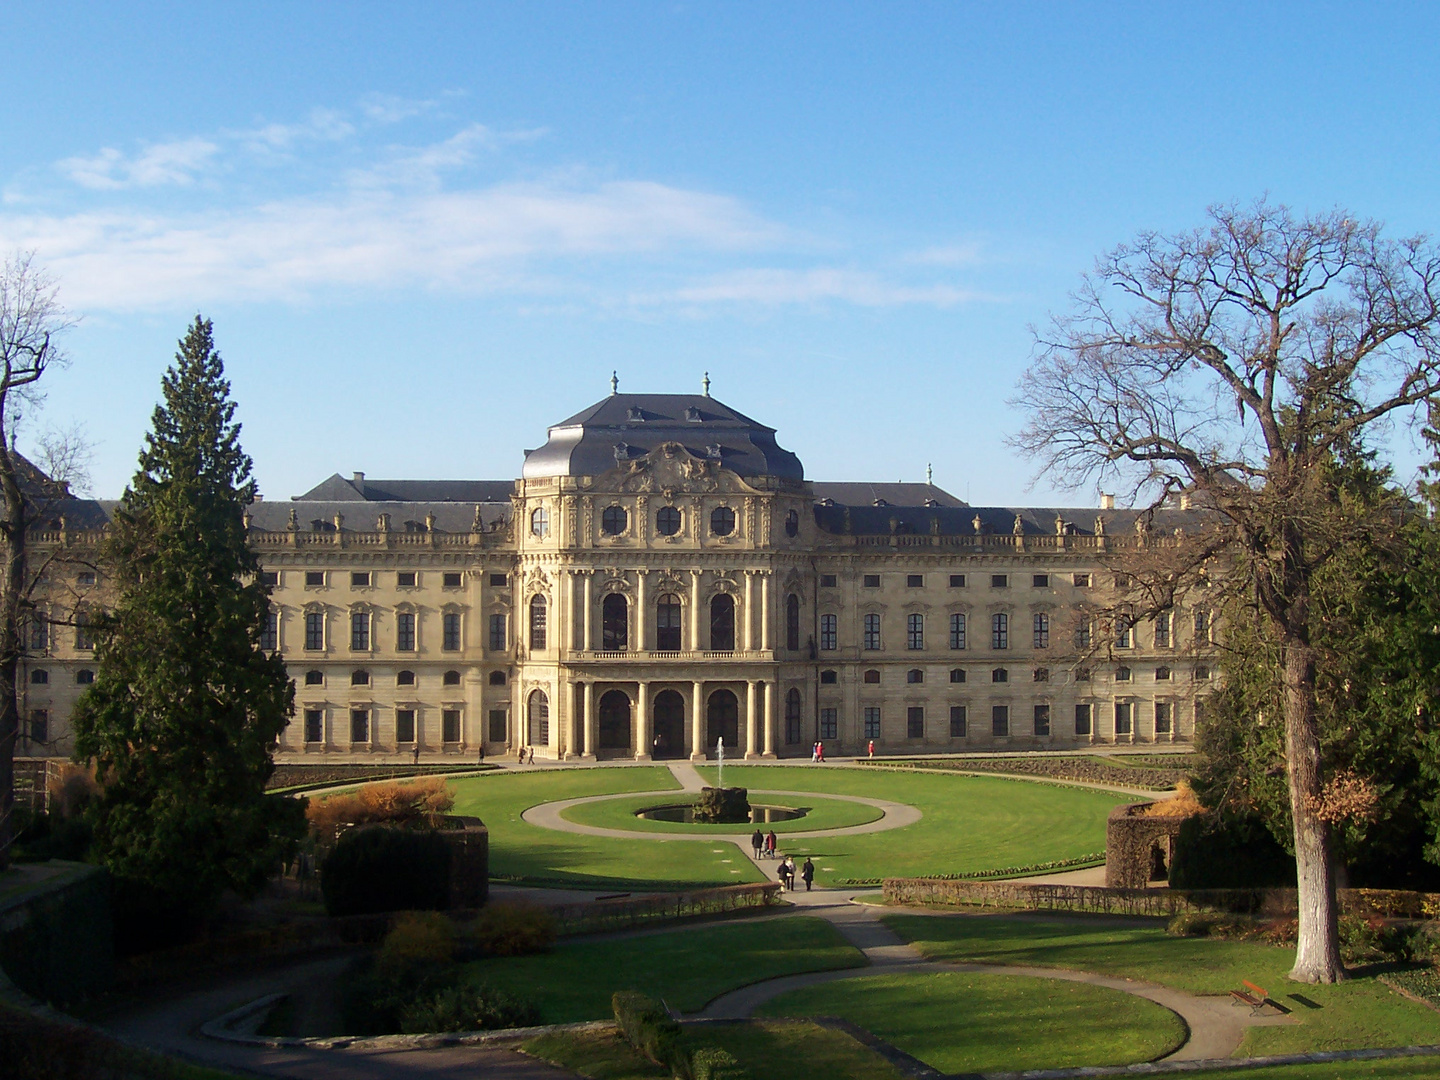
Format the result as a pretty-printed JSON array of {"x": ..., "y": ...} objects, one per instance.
[
  {"x": 820, "y": 752},
  {"x": 807, "y": 873},
  {"x": 482, "y": 753},
  {"x": 757, "y": 841},
  {"x": 872, "y": 748},
  {"x": 814, "y": 753},
  {"x": 417, "y": 754},
  {"x": 787, "y": 873},
  {"x": 770, "y": 845}
]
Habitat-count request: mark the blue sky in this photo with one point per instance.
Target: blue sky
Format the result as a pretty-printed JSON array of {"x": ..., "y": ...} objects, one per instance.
[{"x": 426, "y": 231}]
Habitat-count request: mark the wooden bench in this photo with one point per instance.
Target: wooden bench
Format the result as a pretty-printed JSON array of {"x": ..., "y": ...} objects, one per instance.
[{"x": 1254, "y": 996}]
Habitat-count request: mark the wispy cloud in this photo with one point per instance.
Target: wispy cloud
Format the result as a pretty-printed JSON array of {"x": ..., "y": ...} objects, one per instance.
[
  {"x": 947, "y": 255},
  {"x": 811, "y": 286},
  {"x": 152, "y": 166}
]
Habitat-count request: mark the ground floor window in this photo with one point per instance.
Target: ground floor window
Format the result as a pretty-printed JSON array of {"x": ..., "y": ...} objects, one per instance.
[
  {"x": 1082, "y": 719},
  {"x": 497, "y": 725},
  {"x": 359, "y": 725},
  {"x": 405, "y": 725},
  {"x": 792, "y": 717},
  {"x": 872, "y": 722},
  {"x": 450, "y": 725},
  {"x": 39, "y": 725},
  {"x": 314, "y": 726},
  {"x": 829, "y": 723},
  {"x": 915, "y": 722},
  {"x": 1164, "y": 717},
  {"x": 957, "y": 721},
  {"x": 1000, "y": 720},
  {"x": 1124, "y": 718},
  {"x": 1042, "y": 719}
]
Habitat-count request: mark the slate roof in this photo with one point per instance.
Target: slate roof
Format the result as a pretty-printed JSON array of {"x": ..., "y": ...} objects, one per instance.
[
  {"x": 362, "y": 489},
  {"x": 622, "y": 427},
  {"x": 897, "y": 494},
  {"x": 844, "y": 520}
]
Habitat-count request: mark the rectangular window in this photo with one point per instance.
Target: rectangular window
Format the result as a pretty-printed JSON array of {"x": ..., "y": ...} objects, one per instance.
[
  {"x": 1124, "y": 718},
  {"x": 827, "y": 581},
  {"x": 957, "y": 675},
  {"x": 497, "y": 725},
  {"x": 915, "y": 675},
  {"x": 957, "y": 581},
  {"x": 39, "y": 633},
  {"x": 1202, "y": 626},
  {"x": 404, "y": 725},
  {"x": 915, "y": 722},
  {"x": 829, "y": 678},
  {"x": 39, "y": 677},
  {"x": 872, "y": 631},
  {"x": 914, "y": 581},
  {"x": 999, "y": 581},
  {"x": 871, "y": 676},
  {"x": 957, "y": 631},
  {"x": 872, "y": 722},
  {"x": 314, "y": 725},
  {"x": 1124, "y": 632},
  {"x": 957, "y": 721},
  {"x": 829, "y": 723},
  {"x": 1000, "y": 674},
  {"x": 1082, "y": 719},
  {"x": 359, "y": 725},
  {"x": 829, "y": 632},
  {"x": 497, "y": 632},
  {"x": 39, "y": 726},
  {"x": 1162, "y": 630},
  {"x": 450, "y": 581},
  {"x": 314, "y": 579},
  {"x": 1164, "y": 716},
  {"x": 85, "y": 577},
  {"x": 1000, "y": 720},
  {"x": 1042, "y": 631},
  {"x": 1122, "y": 581},
  {"x": 84, "y": 639},
  {"x": 1082, "y": 634},
  {"x": 999, "y": 631},
  {"x": 314, "y": 678},
  {"x": 405, "y": 579},
  {"x": 1082, "y": 581},
  {"x": 450, "y": 627},
  {"x": 450, "y": 725},
  {"x": 269, "y": 578},
  {"x": 1042, "y": 720},
  {"x": 314, "y": 630},
  {"x": 915, "y": 631},
  {"x": 270, "y": 632},
  {"x": 405, "y": 631},
  {"x": 872, "y": 581},
  {"x": 1122, "y": 674},
  {"x": 1040, "y": 581},
  {"x": 359, "y": 631},
  {"x": 499, "y": 581},
  {"x": 1042, "y": 674},
  {"x": 360, "y": 579}
]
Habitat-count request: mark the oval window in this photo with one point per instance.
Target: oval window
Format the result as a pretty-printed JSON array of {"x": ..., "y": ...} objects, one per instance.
[
  {"x": 540, "y": 521},
  {"x": 614, "y": 520},
  {"x": 667, "y": 521},
  {"x": 722, "y": 521}
]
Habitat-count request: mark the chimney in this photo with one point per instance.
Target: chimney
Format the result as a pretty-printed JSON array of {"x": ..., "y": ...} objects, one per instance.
[
  {"x": 358, "y": 479},
  {"x": 1107, "y": 502}
]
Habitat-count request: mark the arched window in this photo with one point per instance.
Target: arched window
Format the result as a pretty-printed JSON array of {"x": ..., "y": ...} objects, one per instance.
[
  {"x": 497, "y": 678},
  {"x": 722, "y": 623},
  {"x": 615, "y": 623},
  {"x": 667, "y": 623},
  {"x": 614, "y": 714},
  {"x": 792, "y": 622},
  {"x": 669, "y": 715},
  {"x": 405, "y": 678},
  {"x": 539, "y": 717},
  {"x": 537, "y": 622},
  {"x": 540, "y": 522},
  {"x": 722, "y": 521},
  {"x": 915, "y": 675},
  {"x": 613, "y": 520},
  {"x": 360, "y": 678},
  {"x": 792, "y": 717},
  {"x": 450, "y": 678},
  {"x": 667, "y": 521},
  {"x": 722, "y": 717}
]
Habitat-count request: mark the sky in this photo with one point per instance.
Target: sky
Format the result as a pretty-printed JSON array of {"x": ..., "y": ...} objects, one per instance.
[{"x": 425, "y": 232}]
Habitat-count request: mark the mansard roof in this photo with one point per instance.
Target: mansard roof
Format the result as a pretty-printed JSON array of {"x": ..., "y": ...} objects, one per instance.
[
  {"x": 847, "y": 493},
  {"x": 851, "y": 520},
  {"x": 361, "y": 489},
  {"x": 623, "y": 427}
]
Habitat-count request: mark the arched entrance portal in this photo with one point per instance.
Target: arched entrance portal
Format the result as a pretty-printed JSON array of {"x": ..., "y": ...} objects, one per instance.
[
  {"x": 722, "y": 720},
  {"x": 614, "y": 721},
  {"x": 669, "y": 710}
]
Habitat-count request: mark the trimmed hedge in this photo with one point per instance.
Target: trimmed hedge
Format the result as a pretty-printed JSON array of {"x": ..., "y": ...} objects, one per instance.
[
  {"x": 377, "y": 869},
  {"x": 645, "y": 1025},
  {"x": 597, "y": 916},
  {"x": 1236, "y": 853}
]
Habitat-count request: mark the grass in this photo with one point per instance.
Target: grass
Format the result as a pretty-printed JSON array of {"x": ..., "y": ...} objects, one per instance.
[
  {"x": 969, "y": 823},
  {"x": 1357, "y": 1013},
  {"x": 1424, "y": 1068},
  {"x": 520, "y": 851},
  {"x": 769, "y": 1050},
  {"x": 822, "y": 814},
  {"x": 687, "y": 967},
  {"x": 967, "y": 1022}
]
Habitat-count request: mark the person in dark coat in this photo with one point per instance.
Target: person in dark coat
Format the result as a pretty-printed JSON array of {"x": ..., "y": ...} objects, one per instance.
[
  {"x": 787, "y": 873},
  {"x": 757, "y": 841},
  {"x": 807, "y": 873}
]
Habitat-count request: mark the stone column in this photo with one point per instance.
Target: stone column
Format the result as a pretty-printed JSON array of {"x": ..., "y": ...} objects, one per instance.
[
  {"x": 695, "y": 610},
  {"x": 639, "y": 644},
  {"x": 697, "y": 724},
  {"x": 772, "y": 698},
  {"x": 572, "y": 630},
  {"x": 642, "y": 723},
  {"x": 592, "y": 723},
  {"x": 589, "y": 604},
  {"x": 747, "y": 640},
  {"x": 765, "y": 612},
  {"x": 751, "y": 719}
]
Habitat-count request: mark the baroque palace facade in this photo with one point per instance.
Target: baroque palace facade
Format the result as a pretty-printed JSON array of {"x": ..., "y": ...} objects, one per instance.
[{"x": 661, "y": 577}]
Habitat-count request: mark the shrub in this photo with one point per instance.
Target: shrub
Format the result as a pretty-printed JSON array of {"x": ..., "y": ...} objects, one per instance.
[
  {"x": 410, "y": 802},
  {"x": 1373, "y": 940},
  {"x": 1213, "y": 924},
  {"x": 713, "y": 1063},
  {"x": 1229, "y": 853},
  {"x": 646, "y": 1026},
  {"x": 418, "y": 938},
  {"x": 513, "y": 928},
  {"x": 376, "y": 869},
  {"x": 463, "y": 1007}
]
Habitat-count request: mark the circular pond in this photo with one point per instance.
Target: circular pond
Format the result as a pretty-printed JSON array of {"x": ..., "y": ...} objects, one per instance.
[{"x": 685, "y": 812}]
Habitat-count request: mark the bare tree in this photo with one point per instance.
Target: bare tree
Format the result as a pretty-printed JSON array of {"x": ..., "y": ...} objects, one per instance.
[
  {"x": 30, "y": 321},
  {"x": 1234, "y": 363}
]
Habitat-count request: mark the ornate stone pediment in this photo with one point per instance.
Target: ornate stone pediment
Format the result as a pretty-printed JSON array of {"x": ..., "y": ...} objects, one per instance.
[{"x": 671, "y": 469}]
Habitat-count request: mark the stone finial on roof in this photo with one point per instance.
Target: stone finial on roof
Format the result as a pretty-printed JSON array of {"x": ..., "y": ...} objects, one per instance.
[
  {"x": 1099, "y": 525},
  {"x": 614, "y": 383},
  {"x": 979, "y": 525},
  {"x": 382, "y": 523},
  {"x": 294, "y": 523},
  {"x": 1019, "y": 527},
  {"x": 478, "y": 524},
  {"x": 705, "y": 384},
  {"x": 1059, "y": 525},
  {"x": 339, "y": 522},
  {"x": 245, "y": 520},
  {"x": 430, "y": 521},
  {"x": 929, "y": 473}
]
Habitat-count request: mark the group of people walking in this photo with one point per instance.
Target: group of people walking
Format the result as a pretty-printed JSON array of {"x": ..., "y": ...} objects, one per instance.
[{"x": 763, "y": 845}]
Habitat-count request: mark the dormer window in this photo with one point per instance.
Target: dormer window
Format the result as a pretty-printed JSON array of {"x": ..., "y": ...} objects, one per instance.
[
  {"x": 713, "y": 451},
  {"x": 693, "y": 415},
  {"x": 637, "y": 415},
  {"x": 881, "y": 502}
]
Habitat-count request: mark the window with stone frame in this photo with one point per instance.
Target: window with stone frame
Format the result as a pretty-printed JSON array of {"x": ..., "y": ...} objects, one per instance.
[
  {"x": 359, "y": 725},
  {"x": 614, "y": 623},
  {"x": 999, "y": 631},
  {"x": 270, "y": 632},
  {"x": 1124, "y": 718},
  {"x": 959, "y": 721},
  {"x": 359, "y": 631},
  {"x": 450, "y": 631},
  {"x": 668, "y": 623},
  {"x": 872, "y": 722},
  {"x": 1042, "y": 720},
  {"x": 792, "y": 622},
  {"x": 872, "y": 631},
  {"x": 1040, "y": 637},
  {"x": 405, "y": 631},
  {"x": 915, "y": 722},
  {"x": 829, "y": 632},
  {"x": 314, "y": 630},
  {"x": 1162, "y": 630},
  {"x": 1164, "y": 717},
  {"x": 538, "y": 622},
  {"x": 498, "y": 635},
  {"x": 314, "y": 725},
  {"x": 450, "y": 725},
  {"x": 792, "y": 717},
  {"x": 957, "y": 630},
  {"x": 405, "y": 725},
  {"x": 829, "y": 723},
  {"x": 1000, "y": 720},
  {"x": 914, "y": 631}
]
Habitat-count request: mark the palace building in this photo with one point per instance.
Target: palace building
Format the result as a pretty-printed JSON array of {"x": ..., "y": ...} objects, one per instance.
[{"x": 663, "y": 576}]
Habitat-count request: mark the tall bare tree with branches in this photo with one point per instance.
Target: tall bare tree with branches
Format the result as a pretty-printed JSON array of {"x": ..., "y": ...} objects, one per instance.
[
  {"x": 31, "y": 319},
  {"x": 1234, "y": 363}
]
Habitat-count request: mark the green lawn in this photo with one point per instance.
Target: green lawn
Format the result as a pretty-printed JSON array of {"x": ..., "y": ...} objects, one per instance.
[
  {"x": 1358, "y": 1013},
  {"x": 520, "y": 851},
  {"x": 685, "y": 967},
  {"x": 966, "y": 1022},
  {"x": 769, "y": 1050},
  {"x": 1421, "y": 1068},
  {"x": 821, "y": 814},
  {"x": 970, "y": 823}
]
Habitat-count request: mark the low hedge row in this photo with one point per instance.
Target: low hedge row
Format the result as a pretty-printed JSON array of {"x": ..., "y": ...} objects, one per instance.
[{"x": 645, "y": 1025}]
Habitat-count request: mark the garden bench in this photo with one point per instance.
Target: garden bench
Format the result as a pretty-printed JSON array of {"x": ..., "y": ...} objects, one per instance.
[{"x": 1254, "y": 996}]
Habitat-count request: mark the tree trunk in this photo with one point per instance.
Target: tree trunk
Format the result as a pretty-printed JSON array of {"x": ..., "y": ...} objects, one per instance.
[
  {"x": 1317, "y": 953},
  {"x": 12, "y": 588}
]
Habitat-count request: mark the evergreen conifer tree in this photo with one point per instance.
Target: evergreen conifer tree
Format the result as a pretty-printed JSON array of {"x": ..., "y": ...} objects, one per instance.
[{"x": 186, "y": 707}]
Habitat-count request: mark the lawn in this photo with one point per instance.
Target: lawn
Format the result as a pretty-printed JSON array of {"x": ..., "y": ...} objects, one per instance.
[
  {"x": 821, "y": 814},
  {"x": 687, "y": 968},
  {"x": 1358, "y": 1013},
  {"x": 1419, "y": 1068},
  {"x": 520, "y": 851},
  {"x": 970, "y": 823},
  {"x": 967, "y": 1022},
  {"x": 769, "y": 1050}
]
